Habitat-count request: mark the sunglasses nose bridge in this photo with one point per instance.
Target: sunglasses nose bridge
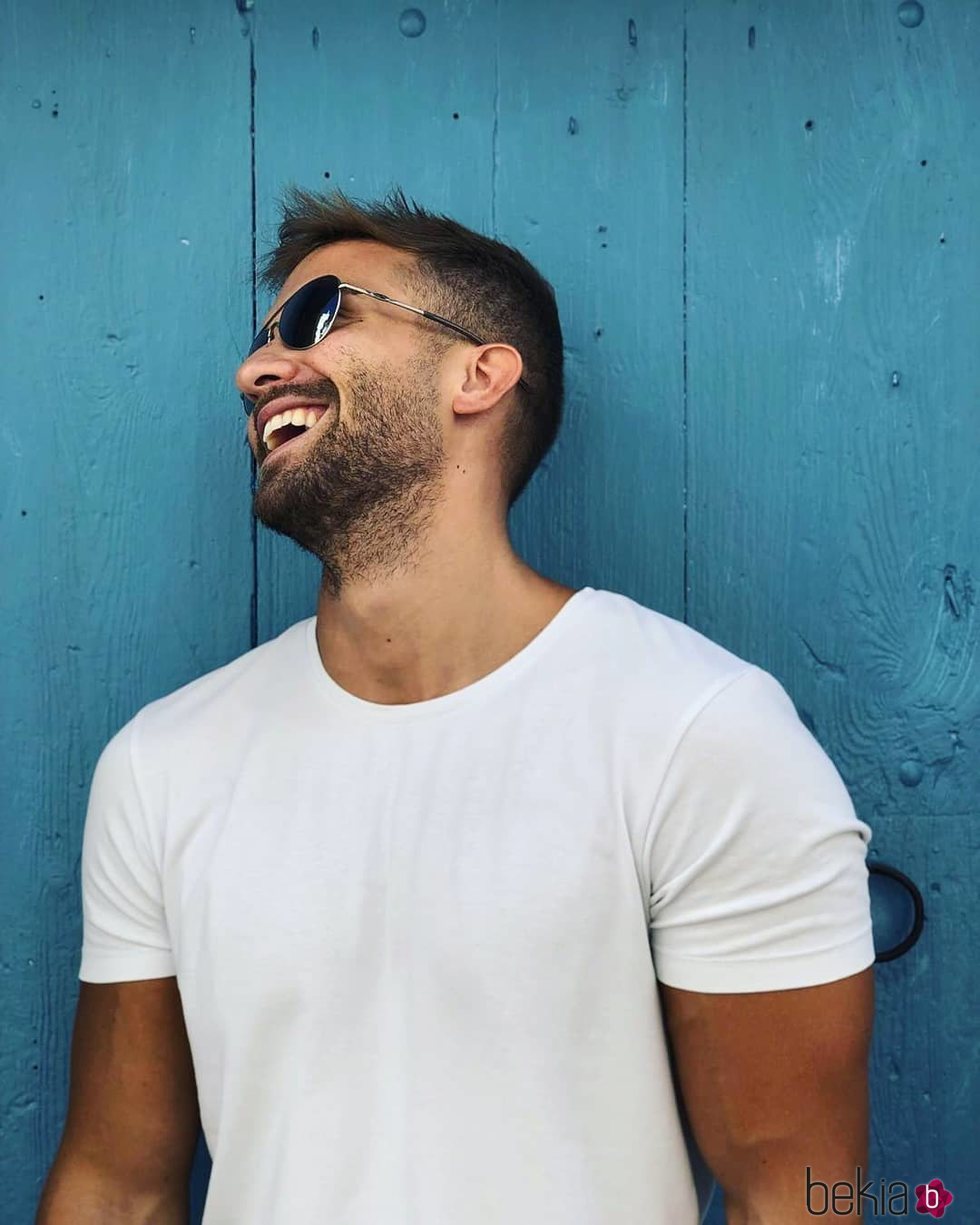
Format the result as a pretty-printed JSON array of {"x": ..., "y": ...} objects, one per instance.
[{"x": 302, "y": 321}]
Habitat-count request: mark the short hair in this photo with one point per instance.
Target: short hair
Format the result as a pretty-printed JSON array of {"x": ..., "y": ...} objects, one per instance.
[{"x": 476, "y": 281}]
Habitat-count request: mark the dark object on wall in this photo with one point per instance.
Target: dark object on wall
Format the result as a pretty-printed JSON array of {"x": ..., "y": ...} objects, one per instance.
[{"x": 899, "y": 883}]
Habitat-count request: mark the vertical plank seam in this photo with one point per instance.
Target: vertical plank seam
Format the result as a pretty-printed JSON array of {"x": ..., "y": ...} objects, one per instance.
[
  {"x": 496, "y": 123},
  {"x": 253, "y": 525},
  {"x": 686, "y": 463}
]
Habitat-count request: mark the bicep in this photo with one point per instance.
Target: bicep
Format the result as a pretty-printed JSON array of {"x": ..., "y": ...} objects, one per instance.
[
  {"x": 775, "y": 1080},
  {"x": 133, "y": 1109}
]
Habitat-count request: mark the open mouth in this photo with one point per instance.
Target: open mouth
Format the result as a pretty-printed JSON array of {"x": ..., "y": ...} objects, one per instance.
[{"x": 286, "y": 427}]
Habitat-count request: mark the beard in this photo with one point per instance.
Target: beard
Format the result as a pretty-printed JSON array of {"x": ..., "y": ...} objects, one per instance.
[{"x": 358, "y": 496}]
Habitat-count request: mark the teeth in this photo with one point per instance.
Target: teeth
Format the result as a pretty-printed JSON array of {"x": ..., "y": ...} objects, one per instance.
[
  {"x": 273, "y": 423},
  {"x": 305, "y": 418}
]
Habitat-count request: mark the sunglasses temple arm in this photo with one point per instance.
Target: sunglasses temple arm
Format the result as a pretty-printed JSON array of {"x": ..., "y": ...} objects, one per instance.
[
  {"x": 427, "y": 315},
  {"x": 416, "y": 310}
]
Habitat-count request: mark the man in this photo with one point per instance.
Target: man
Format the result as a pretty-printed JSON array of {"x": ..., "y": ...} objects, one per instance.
[{"x": 380, "y": 895}]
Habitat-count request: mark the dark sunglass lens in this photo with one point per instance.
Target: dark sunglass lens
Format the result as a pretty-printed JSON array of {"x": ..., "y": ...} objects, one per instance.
[{"x": 307, "y": 316}]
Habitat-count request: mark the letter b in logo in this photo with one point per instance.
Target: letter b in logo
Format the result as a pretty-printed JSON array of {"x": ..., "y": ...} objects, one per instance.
[
  {"x": 811, "y": 1184},
  {"x": 933, "y": 1198}
]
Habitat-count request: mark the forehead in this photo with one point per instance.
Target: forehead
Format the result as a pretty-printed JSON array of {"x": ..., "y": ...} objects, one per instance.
[{"x": 367, "y": 264}]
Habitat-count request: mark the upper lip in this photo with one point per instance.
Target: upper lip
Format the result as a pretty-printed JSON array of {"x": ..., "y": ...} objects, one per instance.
[{"x": 282, "y": 405}]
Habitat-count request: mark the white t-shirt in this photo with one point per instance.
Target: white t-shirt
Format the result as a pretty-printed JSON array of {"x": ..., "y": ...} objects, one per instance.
[{"x": 413, "y": 942}]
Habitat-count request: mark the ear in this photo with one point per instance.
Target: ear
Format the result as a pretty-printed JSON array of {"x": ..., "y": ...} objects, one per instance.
[{"x": 489, "y": 372}]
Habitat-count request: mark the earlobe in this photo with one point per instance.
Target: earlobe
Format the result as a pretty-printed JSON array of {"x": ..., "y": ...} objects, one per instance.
[{"x": 470, "y": 400}]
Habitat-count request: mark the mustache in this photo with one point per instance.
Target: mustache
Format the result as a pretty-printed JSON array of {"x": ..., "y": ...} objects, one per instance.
[{"x": 320, "y": 391}]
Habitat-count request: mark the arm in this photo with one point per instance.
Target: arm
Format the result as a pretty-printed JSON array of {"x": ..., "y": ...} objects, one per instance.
[
  {"x": 132, "y": 1125},
  {"x": 774, "y": 1082}
]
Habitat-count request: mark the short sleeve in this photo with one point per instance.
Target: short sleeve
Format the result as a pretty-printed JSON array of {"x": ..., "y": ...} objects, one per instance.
[
  {"x": 125, "y": 933},
  {"x": 756, "y": 857}
]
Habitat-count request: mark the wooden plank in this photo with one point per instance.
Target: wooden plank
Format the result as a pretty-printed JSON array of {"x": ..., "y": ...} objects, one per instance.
[
  {"x": 125, "y": 504},
  {"x": 589, "y": 186},
  {"x": 833, "y": 168},
  {"x": 832, "y": 424},
  {"x": 925, "y": 1073}
]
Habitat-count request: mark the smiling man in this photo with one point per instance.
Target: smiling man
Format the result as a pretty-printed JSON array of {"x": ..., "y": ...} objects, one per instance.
[{"x": 475, "y": 899}]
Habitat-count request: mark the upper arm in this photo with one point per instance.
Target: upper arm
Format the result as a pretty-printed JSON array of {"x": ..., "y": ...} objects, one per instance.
[
  {"x": 763, "y": 947},
  {"x": 774, "y": 1081},
  {"x": 133, "y": 1109},
  {"x": 755, "y": 854},
  {"x": 125, "y": 935}
]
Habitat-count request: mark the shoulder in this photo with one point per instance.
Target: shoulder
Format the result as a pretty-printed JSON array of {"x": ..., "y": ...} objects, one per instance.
[
  {"x": 222, "y": 703},
  {"x": 682, "y": 699},
  {"x": 653, "y": 653}
]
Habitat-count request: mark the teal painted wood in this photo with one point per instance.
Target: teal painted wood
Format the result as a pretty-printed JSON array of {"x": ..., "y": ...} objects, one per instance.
[
  {"x": 828, "y": 503},
  {"x": 124, "y": 506},
  {"x": 833, "y": 173},
  {"x": 589, "y": 186}
]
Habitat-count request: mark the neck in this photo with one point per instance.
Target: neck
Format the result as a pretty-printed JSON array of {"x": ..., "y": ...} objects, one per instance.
[{"x": 445, "y": 619}]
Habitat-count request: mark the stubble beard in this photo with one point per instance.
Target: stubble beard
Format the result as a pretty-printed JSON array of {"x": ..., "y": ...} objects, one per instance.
[{"x": 360, "y": 497}]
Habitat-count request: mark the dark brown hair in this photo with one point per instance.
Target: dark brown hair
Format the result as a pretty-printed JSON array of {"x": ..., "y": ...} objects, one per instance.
[{"x": 480, "y": 283}]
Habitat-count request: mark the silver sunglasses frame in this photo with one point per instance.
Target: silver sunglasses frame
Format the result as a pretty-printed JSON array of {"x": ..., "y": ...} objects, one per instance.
[{"x": 267, "y": 327}]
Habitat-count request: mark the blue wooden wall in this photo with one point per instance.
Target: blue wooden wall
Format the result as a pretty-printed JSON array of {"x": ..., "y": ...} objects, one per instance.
[{"x": 760, "y": 220}]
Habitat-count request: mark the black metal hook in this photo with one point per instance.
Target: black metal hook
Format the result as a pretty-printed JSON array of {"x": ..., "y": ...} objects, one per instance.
[{"x": 903, "y": 946}]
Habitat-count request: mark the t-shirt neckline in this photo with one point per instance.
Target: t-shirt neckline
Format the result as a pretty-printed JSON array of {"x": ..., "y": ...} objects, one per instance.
[{"x": 479, "y": 689}]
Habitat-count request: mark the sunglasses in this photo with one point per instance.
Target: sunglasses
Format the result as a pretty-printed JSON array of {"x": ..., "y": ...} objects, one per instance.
[{"x": 308, "y": 315}]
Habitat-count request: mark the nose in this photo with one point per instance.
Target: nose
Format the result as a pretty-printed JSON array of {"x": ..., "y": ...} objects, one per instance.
[{"x": 268, "y": 365}]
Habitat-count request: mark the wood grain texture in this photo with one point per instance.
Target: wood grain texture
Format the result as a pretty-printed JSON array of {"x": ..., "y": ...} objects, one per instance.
[
  {"x": 124, "y": 528},
  {"x": 589, "y": 185},
  {"x": 757, "y": 221},
  {"x": 925, "y": 1072},
  {"x": 833, "y": 376},
  {"x": 833, "y": 170}
]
